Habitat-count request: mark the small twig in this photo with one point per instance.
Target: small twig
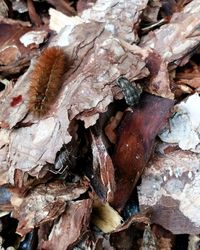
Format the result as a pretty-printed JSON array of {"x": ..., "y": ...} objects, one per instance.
[{"x": 154, "y": 25}]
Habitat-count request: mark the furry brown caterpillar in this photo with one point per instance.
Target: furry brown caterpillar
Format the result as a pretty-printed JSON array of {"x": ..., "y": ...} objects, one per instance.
[{"x": 46, "y": 80}]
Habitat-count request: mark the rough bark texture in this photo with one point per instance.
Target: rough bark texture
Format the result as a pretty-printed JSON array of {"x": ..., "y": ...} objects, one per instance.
[
  {"x": 68, "y": 171},
  {"x": 174, "y": 195}
]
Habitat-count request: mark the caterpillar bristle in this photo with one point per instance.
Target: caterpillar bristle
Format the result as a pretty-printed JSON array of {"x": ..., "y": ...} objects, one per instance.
[{"x": 46, "y": 80}]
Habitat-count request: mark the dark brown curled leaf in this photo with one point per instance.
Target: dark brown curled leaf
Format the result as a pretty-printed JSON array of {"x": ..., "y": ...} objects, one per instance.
[{"x": 135, "y": 142}]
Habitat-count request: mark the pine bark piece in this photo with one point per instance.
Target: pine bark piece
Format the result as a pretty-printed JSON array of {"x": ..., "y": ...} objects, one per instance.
[
  {"x": 94, "y": 241},
  {"x": 44, "y": 203},
  {"x": 5, "y": 196},
  {"x": 165, "y": 239},
  {"x": 70, "y": 227},
  {"x": 120, "y": 17},
  {"x": 135, "y": 142},
  {"x": 189, "y": 76},
  {"x": 84, "y": 4},
  {"x": 170, "y": 187},
  {"x": 86, "y": 92},
  {"x": 159, "y": 81},
  {"x": 172, "y": 44},
  {"x": 4, "y": 141},
  {"x": 175, "y": 40},
  {"x": 150, "y": 14},
  {"x": 4, "y": 9},
  {"x": 102, "y": 172}
]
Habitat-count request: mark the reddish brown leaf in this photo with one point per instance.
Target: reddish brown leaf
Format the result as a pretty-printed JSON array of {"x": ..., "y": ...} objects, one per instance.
[{"x": 135, "y": 141}]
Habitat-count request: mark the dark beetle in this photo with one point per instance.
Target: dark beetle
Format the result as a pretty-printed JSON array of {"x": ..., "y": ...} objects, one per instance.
[{"x": 130, "y": 90}]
